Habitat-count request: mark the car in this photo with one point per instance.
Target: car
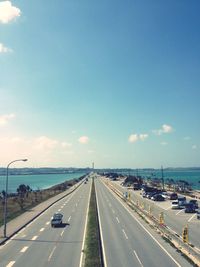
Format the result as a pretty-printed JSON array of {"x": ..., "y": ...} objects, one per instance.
[
  {"x": 198, "y": 214},
  {"x": 182, "y": 201},
  {"x": 194, "y": 202},
  {"x": 56, "y": 220},
  {"x": 175, "y": 205},
  {"x": 189, "y": 208},
  {"x": 173, "y": 196},
  {"x": 158, "y": 197}
]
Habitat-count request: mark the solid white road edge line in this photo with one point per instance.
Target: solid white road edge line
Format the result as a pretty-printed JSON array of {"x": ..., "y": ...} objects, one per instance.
[
  {"x": 101, "y": 234},
  {"x": 85, "y": 228},
  {"x": 145, "y": 229},
  {"x": 137, "y": 258}
]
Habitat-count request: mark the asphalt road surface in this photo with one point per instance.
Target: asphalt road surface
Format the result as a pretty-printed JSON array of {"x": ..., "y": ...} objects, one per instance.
[
  {"x": 127, "y": 240},
  {"x": 41, "y": 245}
]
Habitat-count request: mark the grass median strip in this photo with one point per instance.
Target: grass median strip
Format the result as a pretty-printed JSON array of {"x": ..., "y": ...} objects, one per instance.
[{"x": 92, "y": 246}]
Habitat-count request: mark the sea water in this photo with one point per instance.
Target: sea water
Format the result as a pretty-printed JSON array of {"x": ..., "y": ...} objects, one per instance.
[{"x": 39, "y": 181}]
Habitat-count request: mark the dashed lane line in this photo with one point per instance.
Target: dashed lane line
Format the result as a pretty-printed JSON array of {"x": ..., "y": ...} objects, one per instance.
[
  {"x": 23, "y": 249},
  {"x": 42, "y": 229},
  {"x": 34, "y": 237},
  {"x": 10, "y": 264},
  {"x": 50, "y": 256},
  {"x": 192, "y": 217},
  {"x": 59, "y": 210},
  {"x": 179, "y": 212},
  {"x": 138, "y": 258},
  {"x": 62, "y": 232},
  {"x": 47, "y": 223},
  {"x": 69, "y": 218},
  {"x": 117, "y": 220},
  {"x": 125, "y": 234}
]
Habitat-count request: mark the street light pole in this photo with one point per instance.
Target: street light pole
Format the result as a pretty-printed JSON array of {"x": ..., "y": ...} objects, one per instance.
[{"x": 6, "y": 193}]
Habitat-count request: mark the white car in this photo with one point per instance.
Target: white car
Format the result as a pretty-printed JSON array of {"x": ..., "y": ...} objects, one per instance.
[{"x": 175, "y": 204}]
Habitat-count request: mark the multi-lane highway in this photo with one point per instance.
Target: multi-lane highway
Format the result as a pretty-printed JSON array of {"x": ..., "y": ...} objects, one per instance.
[
  {"x": 41, "y": 245},
  {"x": 127, "y": 241},
  {"x": 174, "y": 219}
]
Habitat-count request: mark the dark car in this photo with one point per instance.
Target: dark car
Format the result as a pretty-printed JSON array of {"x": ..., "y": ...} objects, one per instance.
[
  {"x": 173, "y": 196},
  {"x": 158, "y": 197},
  {"x": 56, "y": 220},
  {"x": 189, "y": 208},
  {"x": 194, "y": 202}
]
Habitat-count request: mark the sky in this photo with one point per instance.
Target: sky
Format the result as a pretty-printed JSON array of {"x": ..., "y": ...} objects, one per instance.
[{"x": 112, "y": 82}]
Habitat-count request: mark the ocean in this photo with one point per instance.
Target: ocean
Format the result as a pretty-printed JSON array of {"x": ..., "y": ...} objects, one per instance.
[
  {"x": 40, "y": 181},
  {"x": 191, "y": 176}
]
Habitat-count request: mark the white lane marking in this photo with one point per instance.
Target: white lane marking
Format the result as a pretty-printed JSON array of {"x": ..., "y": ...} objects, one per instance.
[
  {"x": 85, "y": 228},
  {"x": 62, "y": 232},
  {"x": 117, "y": 220},
  {"x": 179, "y": 212},
  {"x": 59, "y": 210},
  {"x": 69, "y": 218},
  {"x": 61, "y": 207},
  {"x": 76, "y": 204},
  {"x": 34, "y": 238},
  {"x": 47, "y": 223},
  {"x": 145, "y": 228},
  {"x": 42, "y": 229},
  {"x": 113, "y": 211},
  {"x": 49, "y": 258},
  {"x": 10, "y": 264},
  {"x": 110, "y": 205},
  {"x": 192, "y": 217},
  {"x": 125, "y": 233},
  {"x": 101, "y": 233},
  {"x": 138, "y": 258},
  {"x": 23, "y": 249},
  {"x": 167, "y": 208}
]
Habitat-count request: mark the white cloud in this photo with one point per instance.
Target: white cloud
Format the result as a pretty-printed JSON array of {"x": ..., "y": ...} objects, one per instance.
[
  {"x": 8, "y": 12},
  {"x": 44, "y": 142},
  {"x": 5, "y": 118},
  {"x": 65, "y": 144},
  {"x": 4, "y": 49},
  {"x": 83, "y": 140},
  {"x": 136, "y": 137},
  {"x": 194, "y": 147},
  {"x": 133, "y": 138},
  {"x": 164, "y": 129},
  {"x": 143, "y": 136}
]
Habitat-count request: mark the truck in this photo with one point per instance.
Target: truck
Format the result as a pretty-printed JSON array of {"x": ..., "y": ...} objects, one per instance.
[{"x": 56, "y": 220}]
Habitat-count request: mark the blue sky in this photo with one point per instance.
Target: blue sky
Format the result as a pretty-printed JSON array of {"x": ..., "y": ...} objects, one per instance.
[{"x": 106, "y": 82}]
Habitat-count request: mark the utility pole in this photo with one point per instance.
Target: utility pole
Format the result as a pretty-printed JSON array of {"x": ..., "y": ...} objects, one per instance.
[{"x": 163, "y": 182}]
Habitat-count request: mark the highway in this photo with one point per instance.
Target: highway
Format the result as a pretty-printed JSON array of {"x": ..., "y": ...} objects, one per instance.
[
  {"x": 127, "y": 241},
  {"x": 174, "y": 219},
  {"x": 41, "y": 245}
]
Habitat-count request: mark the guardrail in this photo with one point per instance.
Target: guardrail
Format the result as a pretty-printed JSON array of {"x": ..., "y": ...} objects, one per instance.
[{"x": 186, "y": 249}]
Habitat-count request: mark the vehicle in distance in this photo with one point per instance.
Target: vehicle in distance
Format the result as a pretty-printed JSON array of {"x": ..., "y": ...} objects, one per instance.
[
  {"x": 182, "y": 202},
  {"x": 158, "y": 197},
  {"x": 175, "y": 204},
  {"x": 198, "y": 214},
  {"x": 194, "y": 202},
  {"x": 189, "y": 208},
  {"x": 56, "y": 220},
  {"x": 173, "y": 196}
]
